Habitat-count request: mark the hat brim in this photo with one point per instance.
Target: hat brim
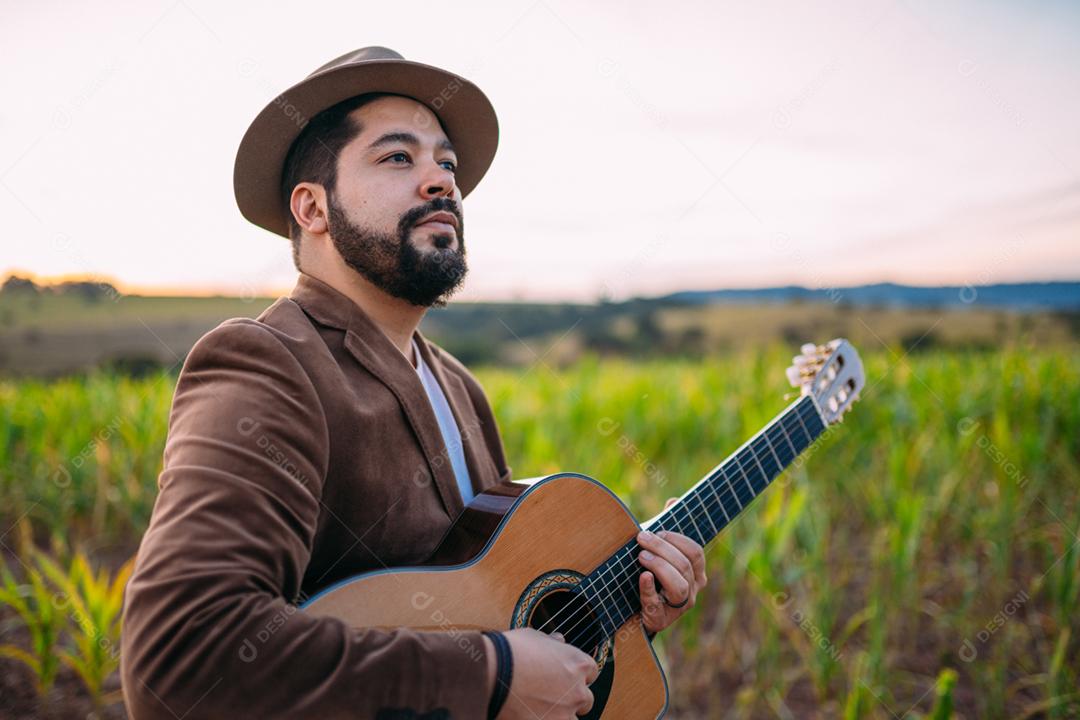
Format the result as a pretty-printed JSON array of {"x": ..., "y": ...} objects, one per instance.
[{"x": 466, "y": 114}]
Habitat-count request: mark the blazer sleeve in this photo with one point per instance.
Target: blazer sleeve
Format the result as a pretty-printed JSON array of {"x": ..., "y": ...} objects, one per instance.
[{"x": 209, "y": 630}]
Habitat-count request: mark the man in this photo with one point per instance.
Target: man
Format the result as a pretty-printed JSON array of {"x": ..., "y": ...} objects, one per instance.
[{"x": 328, "y": 436}]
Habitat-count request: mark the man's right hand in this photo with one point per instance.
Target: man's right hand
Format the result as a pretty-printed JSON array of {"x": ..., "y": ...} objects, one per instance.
[{"x": 550, "y": 677}]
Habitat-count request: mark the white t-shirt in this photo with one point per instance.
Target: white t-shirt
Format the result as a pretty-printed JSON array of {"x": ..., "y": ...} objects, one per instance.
[{"x": 451, "y": 434}]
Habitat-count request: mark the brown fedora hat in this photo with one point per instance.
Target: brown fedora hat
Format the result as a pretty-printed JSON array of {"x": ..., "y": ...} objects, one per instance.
[{"x": 464, "y": 111}]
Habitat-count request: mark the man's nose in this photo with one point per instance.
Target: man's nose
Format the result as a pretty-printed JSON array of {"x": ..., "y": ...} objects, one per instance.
[{"x": 437, "y": 181}]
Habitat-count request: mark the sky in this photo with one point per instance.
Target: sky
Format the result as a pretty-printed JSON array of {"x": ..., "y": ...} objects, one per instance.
[{"x": 644, "y": 148}]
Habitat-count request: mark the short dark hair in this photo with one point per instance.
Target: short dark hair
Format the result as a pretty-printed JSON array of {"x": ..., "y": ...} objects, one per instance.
[{"x": 313, "y": 155}]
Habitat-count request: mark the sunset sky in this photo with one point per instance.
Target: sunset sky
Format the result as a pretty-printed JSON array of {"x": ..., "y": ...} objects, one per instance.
[{"x": 644, "y": 148}]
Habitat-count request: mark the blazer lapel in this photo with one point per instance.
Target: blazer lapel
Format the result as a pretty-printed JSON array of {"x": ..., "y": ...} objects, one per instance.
[{"x": 370, "y": 346}]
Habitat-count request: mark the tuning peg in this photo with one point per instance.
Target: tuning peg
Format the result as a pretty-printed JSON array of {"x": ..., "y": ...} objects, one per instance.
[{"x": 802, "y": 361}]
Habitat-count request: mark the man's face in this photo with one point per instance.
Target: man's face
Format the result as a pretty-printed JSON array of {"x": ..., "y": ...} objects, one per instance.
[{"x": 393, "y": 176}]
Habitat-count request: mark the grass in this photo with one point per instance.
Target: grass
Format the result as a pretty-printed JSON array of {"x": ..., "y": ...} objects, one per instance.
[{"x": 922, "y": 562}]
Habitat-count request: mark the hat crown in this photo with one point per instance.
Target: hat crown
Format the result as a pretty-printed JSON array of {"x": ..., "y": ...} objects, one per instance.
[{"x": 372, "y": 52}]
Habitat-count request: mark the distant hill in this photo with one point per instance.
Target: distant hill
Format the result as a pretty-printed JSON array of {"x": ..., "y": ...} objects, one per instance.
[
  {"x": 52, "y": 330},
  {"x": 1017, "y": 296}
]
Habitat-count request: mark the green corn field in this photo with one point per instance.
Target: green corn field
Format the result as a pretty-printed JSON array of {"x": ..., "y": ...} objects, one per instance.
[{"x": 923, "y": 561}]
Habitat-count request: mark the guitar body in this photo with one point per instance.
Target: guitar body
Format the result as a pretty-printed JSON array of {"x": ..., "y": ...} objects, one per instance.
[{"x": 512, "y": 559}]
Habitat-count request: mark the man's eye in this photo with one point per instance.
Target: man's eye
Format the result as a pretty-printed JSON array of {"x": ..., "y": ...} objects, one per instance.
[
  {"x": 398, "y": 155},
  {"x": 452, "y": 167}
]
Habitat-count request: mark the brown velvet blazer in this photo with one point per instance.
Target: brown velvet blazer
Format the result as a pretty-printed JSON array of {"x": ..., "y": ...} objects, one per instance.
[{"x": 301, "y": 449}]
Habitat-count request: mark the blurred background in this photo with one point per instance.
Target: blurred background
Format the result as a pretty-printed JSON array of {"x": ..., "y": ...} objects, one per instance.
[{"x": 682, "y": 196}]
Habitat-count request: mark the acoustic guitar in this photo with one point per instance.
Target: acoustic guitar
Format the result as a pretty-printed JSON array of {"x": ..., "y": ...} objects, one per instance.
[{"x": 559, "y": 553}]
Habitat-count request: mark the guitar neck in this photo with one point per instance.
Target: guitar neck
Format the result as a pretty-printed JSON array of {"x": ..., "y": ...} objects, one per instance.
[{"x": 710, "y": 505}]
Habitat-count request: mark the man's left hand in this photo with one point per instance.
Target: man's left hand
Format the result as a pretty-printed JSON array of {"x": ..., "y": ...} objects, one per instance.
[{"x": 679, "y": 564}]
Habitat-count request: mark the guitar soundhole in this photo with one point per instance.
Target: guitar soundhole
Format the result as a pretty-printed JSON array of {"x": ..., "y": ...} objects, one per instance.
[
  {"x": 552, "y": 603},
  {"x": 566, "y": 612}
]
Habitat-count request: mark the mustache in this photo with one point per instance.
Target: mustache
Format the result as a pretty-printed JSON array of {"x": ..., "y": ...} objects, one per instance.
[{"x": 416, "y": 214}]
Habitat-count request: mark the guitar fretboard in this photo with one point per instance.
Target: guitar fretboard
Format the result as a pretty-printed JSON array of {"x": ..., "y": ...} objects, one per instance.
[{"x": 708, "y": 507}]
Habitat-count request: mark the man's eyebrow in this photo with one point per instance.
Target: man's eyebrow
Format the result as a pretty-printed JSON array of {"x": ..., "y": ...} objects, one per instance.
[{"x": 406, "y": 138}]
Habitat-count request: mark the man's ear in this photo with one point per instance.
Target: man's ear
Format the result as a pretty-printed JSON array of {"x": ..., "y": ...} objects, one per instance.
[{"x": 308, "y": 206}]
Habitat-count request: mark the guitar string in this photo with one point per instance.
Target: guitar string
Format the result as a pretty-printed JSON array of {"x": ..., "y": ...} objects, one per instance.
[
  {"x": 623, "y": 570},
  {"x": 620, "y": 576}
]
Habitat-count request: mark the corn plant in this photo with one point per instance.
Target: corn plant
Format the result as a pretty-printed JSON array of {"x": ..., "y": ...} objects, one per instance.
[
  {"x": 34, "y": 603},
  {"x": 943, "y": 702},
  {"x": 92, "y": 602},
  {"x": 907, "y": 536}
]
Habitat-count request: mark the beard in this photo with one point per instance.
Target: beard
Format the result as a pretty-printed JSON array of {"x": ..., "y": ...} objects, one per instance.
[{"x": 391, "y": 261}]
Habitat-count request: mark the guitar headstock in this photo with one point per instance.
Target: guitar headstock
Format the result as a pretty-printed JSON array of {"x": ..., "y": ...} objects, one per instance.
[{"x": 832, "y": 373}]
